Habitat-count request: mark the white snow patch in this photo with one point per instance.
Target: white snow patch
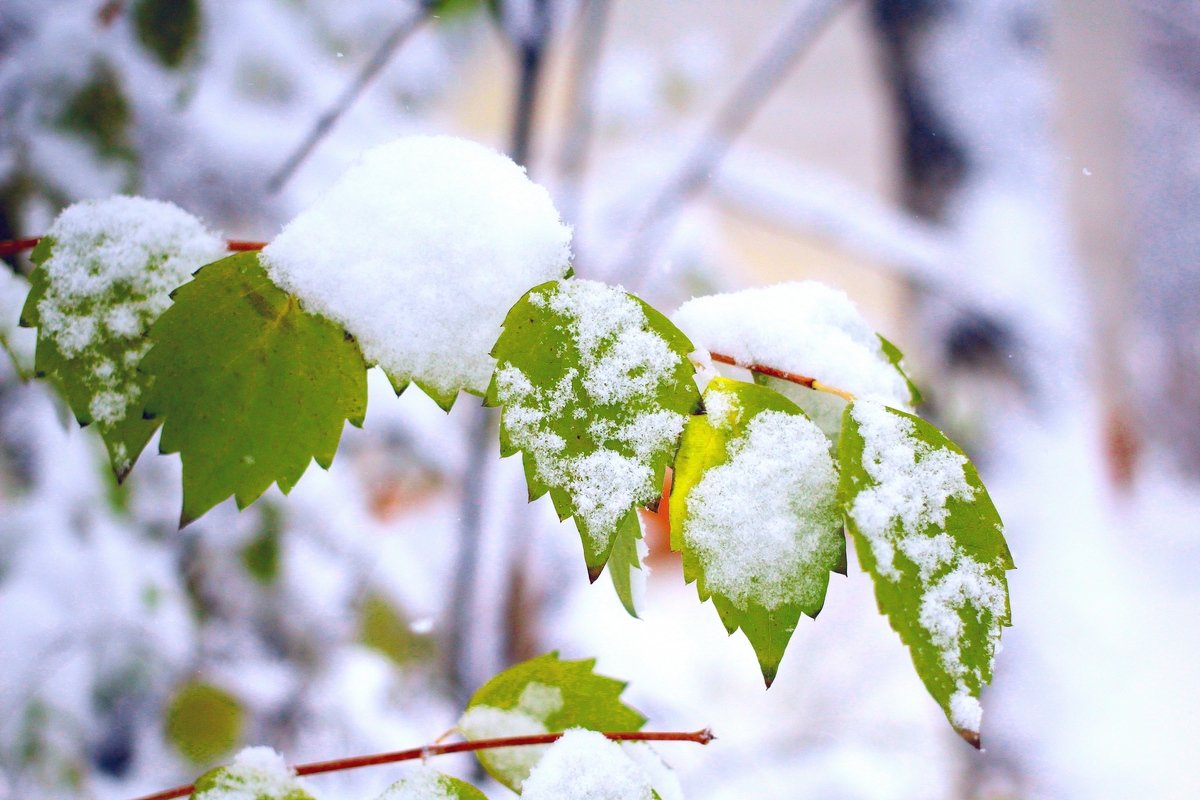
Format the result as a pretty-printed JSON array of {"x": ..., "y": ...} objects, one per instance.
[
  {"x": 425, "y": 784},
  {"x": 803, "y": 327},
  {"x": 419, "y": 250},
  {"x": 110, "y": 273},
  {"x": 622, "y": 364},
  {"x": 760, "y": 520},
  {"x": 584, "y": 765},
  {"x": 538, "y": 701},
  {"x": 255, "y": 772}
]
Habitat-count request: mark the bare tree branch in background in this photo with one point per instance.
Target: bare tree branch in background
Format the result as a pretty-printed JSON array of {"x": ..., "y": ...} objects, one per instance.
[
  {"x": 531, "y": 48},
  {"x": 695, "y": 172},
  {"x": 379, "y": 59},
  {"x": 572, "y": 158}
]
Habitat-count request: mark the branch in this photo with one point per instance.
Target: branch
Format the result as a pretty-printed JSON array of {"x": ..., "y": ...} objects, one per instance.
[
  {"x": 10, "y": 247},
  {"x": 337, "y": 765},
  {"x": 791, "y": 377},
  {"x": 696, "y": 170},
  {"x": 324, "y": 124}
]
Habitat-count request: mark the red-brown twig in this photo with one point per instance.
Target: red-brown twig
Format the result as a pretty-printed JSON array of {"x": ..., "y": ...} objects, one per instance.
[
  {"x": 10, "y": 247},
  {"x": 802, "y": 380},
  {"x": 337, "y": 765}
]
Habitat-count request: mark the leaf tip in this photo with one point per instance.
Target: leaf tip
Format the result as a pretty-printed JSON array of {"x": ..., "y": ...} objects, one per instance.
[
  {"x": 970, "y": 737},
  {"x": 594, "y": 572}
]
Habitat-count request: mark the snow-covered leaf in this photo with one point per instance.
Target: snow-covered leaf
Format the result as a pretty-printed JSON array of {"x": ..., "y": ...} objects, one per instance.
[
  {"x": 926, "y": 531},
  {"x": 105, "y": 273},
  {"x": 542, "y": 695},
  {"x": 754, "y": 510},
  {"x": 584, "y": 765},
  {"x": 418, "y": 251},
  {"x": 257, "y": 773},
  {"x": 204, "y": 722},
  {"x": 596, "y": 387},
  {"x": 252, "y": 387},
  {"x": 430, "y": 785},
  {"x": 804, "y": 328}
]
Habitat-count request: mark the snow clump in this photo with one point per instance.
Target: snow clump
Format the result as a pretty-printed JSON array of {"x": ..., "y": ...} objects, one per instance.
[
  {"x": 419, "y": 250},
  {"x": 255, "y": 772},
  {"x": 585, "y": 765}
]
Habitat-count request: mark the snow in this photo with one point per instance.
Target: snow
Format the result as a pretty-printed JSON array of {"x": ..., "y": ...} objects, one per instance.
[
  {"x": 419, "y": 250},
  {"x": 425, "y": 784},
  {"x": 535, "y": 706},
  {"x": 805, "y": 328},
  {"x": 760, "y": 521},
  {"x": 255, "y": 772},
  {"x": 623, "y": 364},
  {"x": 584, "y": 765},
  {"x": 18, "y": 342},
  {"x": 915, "y": 480},
  {"x": 110, "y": 273}
]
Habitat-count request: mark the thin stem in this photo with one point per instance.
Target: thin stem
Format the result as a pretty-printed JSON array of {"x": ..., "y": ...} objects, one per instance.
[
  {"x": 792, "y": 377},
  {"x": 698, "y": 166},
  {"x": 324, "y": 124},
  {"x": 572, "y": 158},
  {"x": 481, "y": 434},
  {"x": 10, "y": 247},
  {"x": 703, "y": 736}
]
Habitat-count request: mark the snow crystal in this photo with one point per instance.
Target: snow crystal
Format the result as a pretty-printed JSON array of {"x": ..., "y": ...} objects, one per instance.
[
  {"x": 419, "y": 250},
  {"x": 584, "y": 765},
  {"x": 255, "y": 772},
  {"x": 760, "y": 520},
  {"x": 915, "y": 480},
  {"x": 622, "y": 364},
  {"x": 110, "y": 273},
  {"x": 537, "y": 703},
  {"x": 805, "y": 328},
  {"x": 425, "y": 784}
]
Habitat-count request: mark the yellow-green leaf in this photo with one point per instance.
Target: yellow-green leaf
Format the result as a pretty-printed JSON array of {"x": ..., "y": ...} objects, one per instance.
[{"x": 204, "y": 722}]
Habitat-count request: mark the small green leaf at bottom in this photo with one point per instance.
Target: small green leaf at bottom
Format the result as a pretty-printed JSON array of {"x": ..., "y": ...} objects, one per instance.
[
  {"x": 430, "y": 785},
  {"x": 252, "y": 387}
]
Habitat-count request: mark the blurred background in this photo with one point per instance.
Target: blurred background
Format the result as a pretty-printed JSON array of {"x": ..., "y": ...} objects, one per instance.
[{"x": 1010, "y": 190}]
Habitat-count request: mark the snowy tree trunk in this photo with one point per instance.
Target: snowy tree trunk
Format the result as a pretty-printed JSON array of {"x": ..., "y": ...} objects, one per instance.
[{"x": 1166, "y": 171}]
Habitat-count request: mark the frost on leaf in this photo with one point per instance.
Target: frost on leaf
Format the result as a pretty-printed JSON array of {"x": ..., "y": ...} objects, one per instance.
[
  {"x": 257, "y": 773},
  {"x": 584, "y": 765},
  {"x": 542, "y": 695},
  {"x": 105, "y": 273},
  {"x": 928, "y": 534},
  {"x": 252, "y": 386},
  {"x": 596, "y": 387},
  {"x": 754, "y": 510},
  {"x": 418, "y": 251},
  {"x": 805, "y": 328},
  {"x": 427, "y": 784}
]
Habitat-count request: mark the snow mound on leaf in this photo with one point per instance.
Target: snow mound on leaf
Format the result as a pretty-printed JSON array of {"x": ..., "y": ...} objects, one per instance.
[
  {"x": 419, "y": 250},
  {"x": 256, "y": 772},
  {"x": 584, "y": 765},
  {"x": 802, "y": 327}
]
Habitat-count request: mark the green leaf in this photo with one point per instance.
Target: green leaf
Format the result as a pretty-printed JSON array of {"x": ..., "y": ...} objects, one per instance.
[
  {"x": 384, "y": 629},
  {"x": 204, "y": 722},
  {"x": 260, "y": 556},
  {"x": 99, "y": 113},
  {"x": 542, "y": 695},
  {"x": 104, "y": 275},
  {"x": 596, "y": 387},
  {"x": 926, "y": 531},
  {"x": 754, "y": 510},
  {"x": 896, "y": 359},
  {"x": 258, "y": 773},
  {"x": 430, "y": 785},
  {"x": 169, "y": 29},
  {"x": 624, "y": 559},
  {"x": 252, "y": 387}
]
